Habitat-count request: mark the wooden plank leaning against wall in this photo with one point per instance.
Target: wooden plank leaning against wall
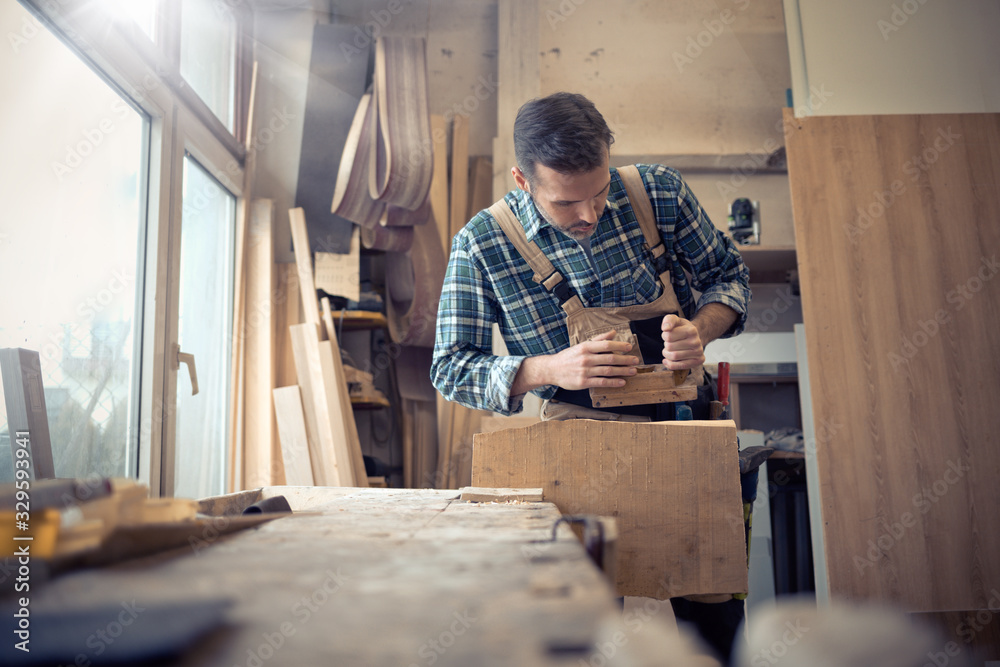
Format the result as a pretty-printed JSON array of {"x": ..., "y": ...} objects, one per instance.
[{"x": 896, "y": 219}]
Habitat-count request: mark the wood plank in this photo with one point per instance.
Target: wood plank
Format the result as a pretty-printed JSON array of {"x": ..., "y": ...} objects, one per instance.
[
  {"x": 481, "y": 186},
  {"x": 518, "y": 74},
  {"x": 303, "y": 260},
  {"x": 475, "y": 494},
  {"x": 439, "y": 181},
  {"x": 337, "y": 414},
  {"x": 895, "y": 218},
  {"x": 645, "y": 388},
  {"x": 237, "y": 386},
  {"x": 319, "y": 428},
  {"x": 27, "y": 420},
  {"x": 459, "y": 175},
  {"x": 340, "y": 388},
  {"x": 674, "y": 488},
  {"x": 291, "y": 421},
  {"x": 259, "y": 467}
]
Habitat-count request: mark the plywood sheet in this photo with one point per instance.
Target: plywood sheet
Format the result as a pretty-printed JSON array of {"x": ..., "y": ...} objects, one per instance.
[
  {"x": 673, "y": 487},
  {"x": 898, "y": 244}
]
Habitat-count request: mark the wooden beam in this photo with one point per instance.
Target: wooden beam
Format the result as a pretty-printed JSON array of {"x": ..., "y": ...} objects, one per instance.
[
  {"x": 27, "y": 421},
  {"x": 258, "y": 462},
  {"x": 292, "y": 434},
  {"x": 459, "y": 175},
  {"x": 439, "y": 180}
]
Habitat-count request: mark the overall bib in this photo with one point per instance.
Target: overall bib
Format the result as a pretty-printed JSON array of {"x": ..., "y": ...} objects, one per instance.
[{"x": 639, "y": 324}]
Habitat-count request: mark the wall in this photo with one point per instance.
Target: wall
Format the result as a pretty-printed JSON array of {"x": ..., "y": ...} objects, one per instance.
[{"x": 896, "y": 56}]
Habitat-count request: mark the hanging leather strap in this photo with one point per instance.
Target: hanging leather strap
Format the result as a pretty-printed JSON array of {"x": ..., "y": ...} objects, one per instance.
[
  {"x": 643, "y": 209},
  {"x": 544, "y": 272}
]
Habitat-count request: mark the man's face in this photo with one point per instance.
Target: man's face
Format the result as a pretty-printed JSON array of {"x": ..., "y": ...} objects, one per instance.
[{"x": 572, "y": 203}]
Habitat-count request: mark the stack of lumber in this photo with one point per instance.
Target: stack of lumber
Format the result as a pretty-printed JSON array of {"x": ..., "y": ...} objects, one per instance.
[{"x": 316, "y": 427}]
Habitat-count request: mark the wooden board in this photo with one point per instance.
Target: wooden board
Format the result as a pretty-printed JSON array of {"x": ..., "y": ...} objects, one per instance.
[
  {"x": 439, "y": 181},
  {"x": 24, "y": 396},
  {"x": 474, "y": 494},
  {"x": 341, "y": 417},
  {"x": 645, "y": 388},
  {"x": 259, "y": 466},
  {"x": 518, "y": 73},
  {"x": 339, "y": 387},
  {"x": 674, "y": 488},
  {"x": 291, "y": 422},
  {"x": 481, "y": 186},
  {"x": 459, "y": 175},
  {"x": 896, "y": 222},
  {"x": 315, "y": 403},
  {"x": 303, "y": 260}
]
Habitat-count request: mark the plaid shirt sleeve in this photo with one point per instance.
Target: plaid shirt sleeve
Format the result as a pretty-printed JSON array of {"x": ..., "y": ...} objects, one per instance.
[
  {"x": 696, "y": 245},
  {"x": 464, "y": 368}
]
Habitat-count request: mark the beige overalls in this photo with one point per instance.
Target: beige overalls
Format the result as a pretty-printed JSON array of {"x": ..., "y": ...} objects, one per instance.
[{"x": 585, "y": 323}]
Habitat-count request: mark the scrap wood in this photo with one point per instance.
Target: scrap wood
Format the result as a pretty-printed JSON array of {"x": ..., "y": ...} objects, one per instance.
[{"x": 478, "y": 494}]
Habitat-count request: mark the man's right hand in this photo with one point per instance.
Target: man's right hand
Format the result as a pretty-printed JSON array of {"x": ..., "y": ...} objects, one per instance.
[{"x": 598, "y": 362}]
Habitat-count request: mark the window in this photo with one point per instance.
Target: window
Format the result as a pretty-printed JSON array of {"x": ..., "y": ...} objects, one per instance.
[
  {"x": 208, "y": 55},
  {"x": 70, "y": 243},
  {"x": 116, "y": 247}
]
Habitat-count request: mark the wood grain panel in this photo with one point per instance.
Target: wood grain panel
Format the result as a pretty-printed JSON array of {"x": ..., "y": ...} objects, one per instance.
[
  {"x": 896, "y": 219},
  {"x": 673, "y": 487}
]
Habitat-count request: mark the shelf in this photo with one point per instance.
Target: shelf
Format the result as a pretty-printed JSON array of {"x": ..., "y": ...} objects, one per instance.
[
  {"x": 359, "y": 320},
  {"x": 369, "y": 402},
  {"x": 769, "y": 264}
]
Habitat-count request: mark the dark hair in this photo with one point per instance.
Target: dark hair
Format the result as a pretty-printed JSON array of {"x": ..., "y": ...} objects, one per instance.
[{"x": 563, "y": 131}]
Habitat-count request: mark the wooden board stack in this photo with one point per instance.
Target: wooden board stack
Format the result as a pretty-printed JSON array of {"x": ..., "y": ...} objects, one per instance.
[{"x": 315, "y": 419}]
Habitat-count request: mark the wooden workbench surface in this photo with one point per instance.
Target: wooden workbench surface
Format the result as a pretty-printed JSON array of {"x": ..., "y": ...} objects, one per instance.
[{"x": 372, "y": 577}]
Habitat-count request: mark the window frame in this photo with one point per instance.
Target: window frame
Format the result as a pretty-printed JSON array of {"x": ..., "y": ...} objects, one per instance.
[{"x": 148, "y": 77}]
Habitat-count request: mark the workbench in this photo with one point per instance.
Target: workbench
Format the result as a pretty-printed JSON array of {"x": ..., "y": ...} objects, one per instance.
[{"x": 362, "y": 577}]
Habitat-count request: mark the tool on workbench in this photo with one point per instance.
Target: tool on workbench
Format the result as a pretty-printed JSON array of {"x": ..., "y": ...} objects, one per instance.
[{"x": 717, "y": 409}]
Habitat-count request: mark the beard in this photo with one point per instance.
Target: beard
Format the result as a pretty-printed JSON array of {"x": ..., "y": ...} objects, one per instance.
[{"x": 578, "y": 231}]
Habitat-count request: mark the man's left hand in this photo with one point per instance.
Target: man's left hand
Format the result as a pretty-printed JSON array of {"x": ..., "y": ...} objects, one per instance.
[{"x": 682, "y": 344}]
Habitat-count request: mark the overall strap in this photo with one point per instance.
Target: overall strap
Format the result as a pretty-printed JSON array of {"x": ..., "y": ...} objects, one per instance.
[
  {"x": 643, "y": 208},
  {"x": 545, "y": 273}
]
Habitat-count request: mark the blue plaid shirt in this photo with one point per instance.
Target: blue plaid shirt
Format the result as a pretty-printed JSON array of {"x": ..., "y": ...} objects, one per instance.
[{"x": 488, "y": 282}]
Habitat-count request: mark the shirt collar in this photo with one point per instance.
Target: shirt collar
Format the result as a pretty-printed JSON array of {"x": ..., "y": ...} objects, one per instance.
[{"x": 527, "y": 213}]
